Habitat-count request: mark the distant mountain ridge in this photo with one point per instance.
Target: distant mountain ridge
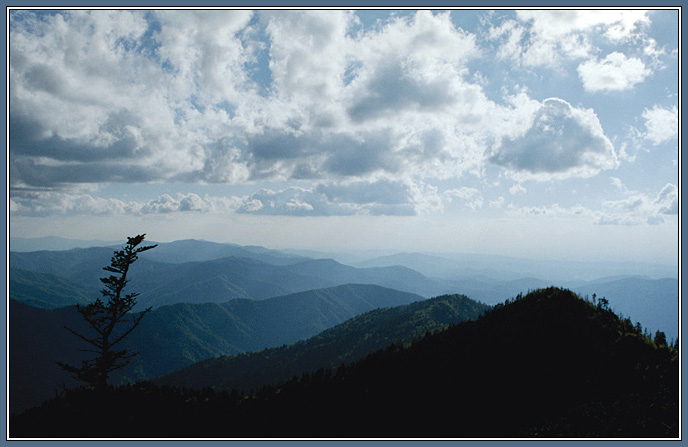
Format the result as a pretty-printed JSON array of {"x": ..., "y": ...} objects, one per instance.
[
  {"x": 54, "y": 243},
  {"x": 166, "y": 276},
  {"x": 219, "y": 280},
  {"x": 480, "y": 266}
]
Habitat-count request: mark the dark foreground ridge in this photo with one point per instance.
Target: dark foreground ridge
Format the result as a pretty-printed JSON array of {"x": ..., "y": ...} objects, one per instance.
[{"x": 549, "y": 364}]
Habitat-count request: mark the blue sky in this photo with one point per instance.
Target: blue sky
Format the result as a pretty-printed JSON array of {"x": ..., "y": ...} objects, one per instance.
[{"x": 534, "y": 133}]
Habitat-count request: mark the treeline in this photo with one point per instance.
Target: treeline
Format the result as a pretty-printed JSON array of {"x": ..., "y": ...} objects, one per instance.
[{"x": 547, "y": 364}]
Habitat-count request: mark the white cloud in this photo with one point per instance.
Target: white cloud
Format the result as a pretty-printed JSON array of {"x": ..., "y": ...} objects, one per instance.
[
  {"x": 332, "y": 200},
  {"x": 367, "y": 120},
  {"x": 517, "y": 189},
  {"x": 562, "y": 141},
  {"x": 667, "y": 200},
  {"x": 661, "y": 124},
  {"x": 498, "y": 202},
  {"x": 549, "y": 37},
  {"x": 552, "y": 211},
  {"x": 69, "y": 203},
  {"x": 206, "y": 52},
  {"x": 614, "y": 72},
  {"x": 637, "y": 207},
  {"x": 218, "y": 97},
  {"x": 471, "y": 197}
]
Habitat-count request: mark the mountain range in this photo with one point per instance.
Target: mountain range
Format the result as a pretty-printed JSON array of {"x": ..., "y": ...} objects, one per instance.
[
  {"x": 192, "y": 271},
  {"x": 172, "y": 337},
  {"x": 238, "y": 310},
  {"x": 260, "y": 275},
  {"x": 545, "y": 365}
]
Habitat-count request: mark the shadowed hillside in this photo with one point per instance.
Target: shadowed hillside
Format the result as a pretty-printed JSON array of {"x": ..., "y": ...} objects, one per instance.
[
  {"x": 546, "y": 365},
  {"x": 342, "y": 344},
  {"x": 173, "y": 337}
]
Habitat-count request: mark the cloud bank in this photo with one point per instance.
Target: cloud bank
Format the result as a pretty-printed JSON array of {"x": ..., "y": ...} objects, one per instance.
[{"x": 356, "y": 119}]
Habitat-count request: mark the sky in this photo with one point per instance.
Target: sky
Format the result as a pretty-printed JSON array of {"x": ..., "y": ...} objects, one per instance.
[{"x": 534, "y": 133}]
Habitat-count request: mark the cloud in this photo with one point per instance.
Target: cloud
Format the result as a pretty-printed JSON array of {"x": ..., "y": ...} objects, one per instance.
[
  {"x": 667, "y": 200},
  {"x": 562, "y": 141},
  {"x": 517, "y": 189},
  {"x": 538, "y": 38},
  {"x": 471, "y": 197},
  {"x": 380, "y": 192},
  {"x": 309, "y": 53},
  {"x": 43, "y": 203},
  {"x": 207, "y": 52},
  {"x": 661, "y": 124},
  {"x": 637, "y": 208},
  {"x": 233, "y": 96},
  {"x": 85, "y": 84},
  {"x": 380, "y": 198},
  {"x": 364, "y": 119},
  {"x": 412, "y": 65},
  {"x": 552, "y": 211},
  {"x": 614, "y": 72},
  {"x": 188, "y": 202}
]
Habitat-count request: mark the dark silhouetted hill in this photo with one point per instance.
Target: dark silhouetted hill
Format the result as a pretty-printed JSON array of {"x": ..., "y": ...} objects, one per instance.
[{"x": 545, "y": 365}]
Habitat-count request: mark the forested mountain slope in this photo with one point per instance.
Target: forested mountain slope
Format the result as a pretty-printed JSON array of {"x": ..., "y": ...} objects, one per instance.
[
  {"x": 545, "y": 365},
  {"x": 342, "y": 344},
  {"x": 172, "y": 337}
]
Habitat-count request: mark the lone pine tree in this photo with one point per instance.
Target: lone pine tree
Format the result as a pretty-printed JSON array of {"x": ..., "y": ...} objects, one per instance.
[{"x": 109, "y": 320}]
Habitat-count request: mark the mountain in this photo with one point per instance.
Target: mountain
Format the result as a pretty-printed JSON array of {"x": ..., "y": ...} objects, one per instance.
[
  {"x": 396, "y": 277},
  {"x": 167, "y": 275},
  {"x": 20, "y": 244},
  {"x": 493, "y": 267},
  {"x": 342, "y": 344},
  {"x": 45, "y": 290},
  {"x": 172, "y": 337},
  {"x": 547, "y": 365},
  {"x": 216, "y": 280},
  {"x": 652, "y": 302},
  {"x": 190, "y": 250}
]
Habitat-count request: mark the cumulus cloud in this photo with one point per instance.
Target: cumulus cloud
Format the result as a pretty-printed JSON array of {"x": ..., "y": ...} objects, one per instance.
[
  {"x": 380, "y": 198},
  {"x": 40, "y": 203},
  {"x": 364, "y": 119},
  {"x": 562, "y": 141},
  {"x": 547, "y": 38},
  {"x": 188, "y": 202},
  {"x": 661, "y": 124},
  {"x": 216, "y": 96},
  {"x": 614, "y": 72},
  {"x": 410, "y": 65}
]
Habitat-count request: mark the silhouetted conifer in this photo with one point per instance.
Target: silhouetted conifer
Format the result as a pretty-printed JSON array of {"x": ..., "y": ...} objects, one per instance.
[{"x": 108, "y": 320}]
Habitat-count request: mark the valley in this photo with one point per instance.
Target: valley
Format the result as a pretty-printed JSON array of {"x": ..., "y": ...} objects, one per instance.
[{"x": 237, "y": 319}]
